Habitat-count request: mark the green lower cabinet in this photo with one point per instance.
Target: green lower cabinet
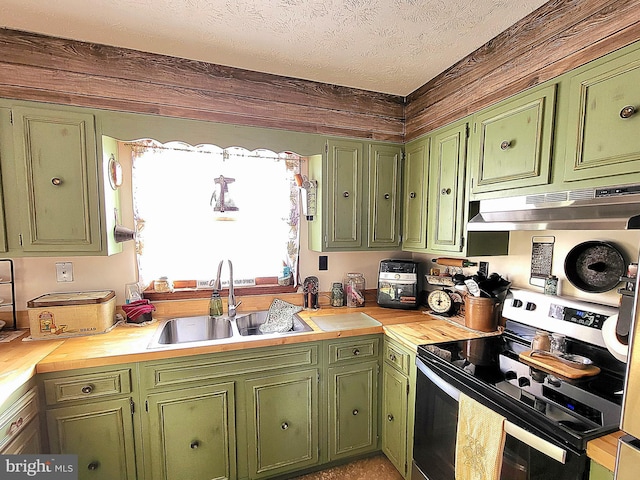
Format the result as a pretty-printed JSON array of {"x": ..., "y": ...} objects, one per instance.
[
  {"x": 394, "y": 418},
  {"x": 282, "y": 423},
  {"x": 353, "y": 409},
  {"x": 192, "y": 433},
  {"x": 598, "y": 472},
  {"x": 101, "y": 434}
]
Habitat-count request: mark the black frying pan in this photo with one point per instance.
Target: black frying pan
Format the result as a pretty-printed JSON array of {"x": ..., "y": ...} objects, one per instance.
[{"x": 594, "y": 266}]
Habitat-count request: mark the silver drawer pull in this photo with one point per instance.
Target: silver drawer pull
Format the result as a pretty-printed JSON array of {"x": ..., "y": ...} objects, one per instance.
[
  {"x": 412, "y": 195},
  {"x": 195, "y": 444},
  {"x": 387, "y": 196},
  {"x": 284, "y": 425},
  {"x": 345, "y": 194},
  {"x": 355, "y": 412},
  {"x": 87, "y": 389},
  {"x": 356, "y": 352},
  {"x": 56, "y": 181},
  {"x": 390, "y": 417},
  {"x": 392, "y": 357},
  {"x": 93, "y": 465}
]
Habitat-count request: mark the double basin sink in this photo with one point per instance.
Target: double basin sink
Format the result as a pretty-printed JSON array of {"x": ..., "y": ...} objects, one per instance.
[{"x": 206, "y": 329}]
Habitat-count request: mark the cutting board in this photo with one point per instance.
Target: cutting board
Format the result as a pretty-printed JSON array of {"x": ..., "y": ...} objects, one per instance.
[
  {"x": 344, "y": 321},
  {"x": 557, "y": 367}
]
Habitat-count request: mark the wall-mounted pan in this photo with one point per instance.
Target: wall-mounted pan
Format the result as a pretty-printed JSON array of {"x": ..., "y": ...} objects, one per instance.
[{"x": 594, "y": 266}]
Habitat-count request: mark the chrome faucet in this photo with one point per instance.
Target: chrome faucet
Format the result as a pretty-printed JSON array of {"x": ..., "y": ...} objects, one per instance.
[{"x": 231, "y": 304}]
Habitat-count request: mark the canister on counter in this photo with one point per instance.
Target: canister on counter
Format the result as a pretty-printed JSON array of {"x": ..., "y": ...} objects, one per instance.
[
  {"x": 354, "y": 289},
  {"x": 337, "y": 295}
]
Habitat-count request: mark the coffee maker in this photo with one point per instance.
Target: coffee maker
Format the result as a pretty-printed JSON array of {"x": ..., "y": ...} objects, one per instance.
[{"x": 399, "y": 284}]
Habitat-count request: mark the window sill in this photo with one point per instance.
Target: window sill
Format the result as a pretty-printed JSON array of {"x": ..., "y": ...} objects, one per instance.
[{"x": 191, "y": 293}]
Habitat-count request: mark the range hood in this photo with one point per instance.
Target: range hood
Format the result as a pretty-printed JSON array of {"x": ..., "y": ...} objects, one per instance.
[{"x": 612, "y": 208}]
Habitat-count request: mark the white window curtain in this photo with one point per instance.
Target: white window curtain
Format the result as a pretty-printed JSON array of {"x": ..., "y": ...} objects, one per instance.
[{"x": 181, "y": 236}]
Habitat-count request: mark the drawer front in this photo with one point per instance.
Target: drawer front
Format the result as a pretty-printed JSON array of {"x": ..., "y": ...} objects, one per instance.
[
  {"x": 353, "y": 350},
  {"x": 16, "y": 418},
  {"x": 397, "y": 358},
  {"x": 87, "y": 387},
  {"x": 155, "y": 375}
]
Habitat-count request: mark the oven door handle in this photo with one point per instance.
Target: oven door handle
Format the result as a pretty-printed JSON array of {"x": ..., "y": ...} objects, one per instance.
[{"x": 526, "y": 437}]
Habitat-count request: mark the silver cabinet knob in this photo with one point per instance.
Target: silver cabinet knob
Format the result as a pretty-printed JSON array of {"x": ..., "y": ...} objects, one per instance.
[
  {"x": 504, "y": 145},
  {"x": 93, "y": 465},
  {"x": 57, "y": 181},
  {"x": 345, "y": 194},
  {"x": 87, "y": 389},
  {"x": 390, "y": 418},
  {"x": 355, "y": 412},
  {"x": 284, "y": 425},
  {"x": 195, "y": 444},
  {"x": 356, "y": 351},
  {"x": 627, "y": 111},
  {"x": 445, "y": 191},
  {"x": 412, "y": 195},
  {"x": 387, "y": 196}
]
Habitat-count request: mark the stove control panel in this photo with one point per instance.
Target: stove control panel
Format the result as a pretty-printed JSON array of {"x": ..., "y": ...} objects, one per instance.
[{"x": 580, "y": 317}]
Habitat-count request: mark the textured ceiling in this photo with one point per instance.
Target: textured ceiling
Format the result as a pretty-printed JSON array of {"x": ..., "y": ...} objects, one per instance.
[{"x": 390, "y": 46}]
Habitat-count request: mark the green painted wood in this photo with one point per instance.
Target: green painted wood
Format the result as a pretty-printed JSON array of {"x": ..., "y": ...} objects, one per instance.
[
  {"x": 6, "y": 158},
  {"x": 416, "y": 171},
  {"x": 282, "y": 422},
  {"x": 598, "y": 472},
  {"x": 512, "y": 142},
  {"x": 394, "y": 417},
  {"x": 353, "y": 409},
  {"x": 385, "y": 164},
  {"x": 344, "y": 194},
  {"x": 192, "y": 433},
  {"x": 600, "y": 143},
  {"x": 28, "y": 442},
  {"x": 101, "y": 434},
  {"x": 57, "y": 168},
  {"x": 447, "y": 189},
  {"x": 111, "y": 195}
]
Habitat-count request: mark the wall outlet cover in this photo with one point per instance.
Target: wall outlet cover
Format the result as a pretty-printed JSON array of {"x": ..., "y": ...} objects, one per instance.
[
  {"x": 64, "y": 271},
  {"x": 323, "y": 262}
]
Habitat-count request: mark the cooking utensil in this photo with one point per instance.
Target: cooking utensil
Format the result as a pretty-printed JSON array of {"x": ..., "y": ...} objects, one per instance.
[
  {"x": 575, "y": 361},
  {"x": 594, "y": 266}
]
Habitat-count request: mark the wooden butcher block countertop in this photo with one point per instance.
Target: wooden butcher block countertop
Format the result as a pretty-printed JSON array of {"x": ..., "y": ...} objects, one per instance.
[{"x": 19, "y": 360}]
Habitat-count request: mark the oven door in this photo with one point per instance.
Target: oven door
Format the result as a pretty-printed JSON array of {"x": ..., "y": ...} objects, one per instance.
[{"x": 526, "y": 456}]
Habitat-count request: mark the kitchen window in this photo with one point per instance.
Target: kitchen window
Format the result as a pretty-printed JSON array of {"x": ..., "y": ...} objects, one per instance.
[{"x": 196, "y": 206}]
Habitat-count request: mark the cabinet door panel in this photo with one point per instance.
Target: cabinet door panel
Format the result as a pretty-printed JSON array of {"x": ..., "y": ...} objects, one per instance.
[
  {"x": 100, "y": 434},
  {"x": 193, "y": 433},
  {"x": 353, "y": 409},
  {"x": 513, "y": 141},
  {"x": 446, "y": 190},
  {"x": 416, "y": 167},
  {"x": 394, "y": 418},
  {"x": 601, "y": 141},
  {"x": 384, "y": 196},
  {"x": 282, "y": 416},
  {"x": 57, "y": 160},
  {"x": 344, "y": 228}
]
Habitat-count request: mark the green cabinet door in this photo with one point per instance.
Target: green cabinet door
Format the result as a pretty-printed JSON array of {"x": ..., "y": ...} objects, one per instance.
[
  {"x": 394, "y": 417},
  {"x": 353, "y": 409},
  {"x": 192, "y": 433},
  {"x": 446, "y": 189},
  {"x": 282, "y": 423},
  {"x": 6, "y": 158},
  {"x": 598, "y": 472},
  {"x": 101, "y": 434},
  {"x": 414, "y": 214},
  {"x": 384, "y": 195},
  {"x": 512, "y": 142},
  {"x": 603, "y": 121},
  {"x": 344, "y": 194},
  {"x": 56, "y": 168}
]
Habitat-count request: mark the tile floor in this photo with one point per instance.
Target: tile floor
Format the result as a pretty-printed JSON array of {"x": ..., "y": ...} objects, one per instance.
[{"x": 373, "y": 468}]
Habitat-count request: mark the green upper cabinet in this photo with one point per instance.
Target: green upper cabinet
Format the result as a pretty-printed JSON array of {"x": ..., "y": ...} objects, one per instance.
[
  {"x": 603, "y": 121},
  {"x": 512, "y": 142},
  {"x": 52, "y": 172},
  {"x": 58, "y": 178},
  {"x": 446, "y": 189},
  {"x": 416, "y": 171},
  {"x": 358, "y": 197},
  {"x": 385, "y": 163}
]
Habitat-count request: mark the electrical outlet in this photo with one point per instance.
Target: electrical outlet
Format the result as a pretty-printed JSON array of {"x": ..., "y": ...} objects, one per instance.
[
  {"x": 323, "y": 262},
  {"x": 64, "y": 271},
  {"x": 484, "y": 268}
]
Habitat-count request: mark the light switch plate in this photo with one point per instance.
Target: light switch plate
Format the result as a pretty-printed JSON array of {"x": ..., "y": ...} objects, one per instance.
[{"x": 64, "y": 271}]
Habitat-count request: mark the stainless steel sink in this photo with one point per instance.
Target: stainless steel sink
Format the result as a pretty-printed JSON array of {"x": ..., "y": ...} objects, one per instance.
[
  {"x": 192, "y": 329},
  {"x": 250, "y": 324},
  {"x": 199, "y": 330}
]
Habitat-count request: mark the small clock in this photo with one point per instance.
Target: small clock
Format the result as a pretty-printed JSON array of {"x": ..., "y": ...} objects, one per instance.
[{"x": 440, "y": 301}]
